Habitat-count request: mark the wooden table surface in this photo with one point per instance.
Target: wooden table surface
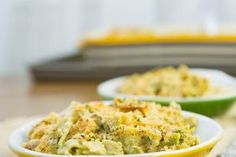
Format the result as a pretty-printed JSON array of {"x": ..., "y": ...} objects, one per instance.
[{"x": 21, "y": 98}]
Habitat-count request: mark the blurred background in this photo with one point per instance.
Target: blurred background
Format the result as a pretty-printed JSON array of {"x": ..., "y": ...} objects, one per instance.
[
  {"x": 92, "y": 40},
  {"x": 32, "y": 31}
]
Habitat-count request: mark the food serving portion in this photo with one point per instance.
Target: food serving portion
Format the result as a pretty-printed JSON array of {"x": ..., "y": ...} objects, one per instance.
[
  {"x": 125, "y": 126},
  {"x": 168, "y": 82},
  {"x": 207, "y": 91}
]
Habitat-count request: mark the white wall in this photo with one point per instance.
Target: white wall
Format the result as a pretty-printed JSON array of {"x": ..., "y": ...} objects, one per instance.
[
  {"x": 128, "y": 13},
  {"x": 35, "y": 30}
]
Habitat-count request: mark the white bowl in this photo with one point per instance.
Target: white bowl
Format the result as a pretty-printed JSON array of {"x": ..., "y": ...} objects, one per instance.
[{"x": 208, "y": 131}]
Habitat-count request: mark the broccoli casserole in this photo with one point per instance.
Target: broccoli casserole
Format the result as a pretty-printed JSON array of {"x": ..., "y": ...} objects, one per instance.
[
  {"x": 126, "y": 126},
  {"x": 168, "y": 82}
]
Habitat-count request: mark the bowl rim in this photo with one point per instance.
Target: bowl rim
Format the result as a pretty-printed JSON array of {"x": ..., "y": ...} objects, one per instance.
[
  {"x": 109, "y": 95},
  {"x": 18, "y": 149}
]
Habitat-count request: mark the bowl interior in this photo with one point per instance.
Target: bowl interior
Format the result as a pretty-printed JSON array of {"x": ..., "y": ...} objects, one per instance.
[
  {"x": 109, "y": 89},
  {"x": 208, "y": 131}
]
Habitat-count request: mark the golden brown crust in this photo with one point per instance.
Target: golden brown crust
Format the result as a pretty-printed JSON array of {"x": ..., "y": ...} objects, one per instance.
[{"x": 127, "y": 126}]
